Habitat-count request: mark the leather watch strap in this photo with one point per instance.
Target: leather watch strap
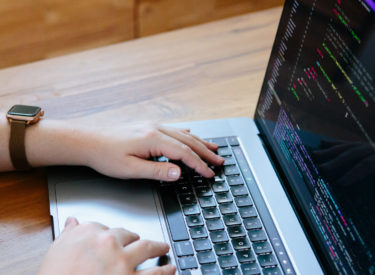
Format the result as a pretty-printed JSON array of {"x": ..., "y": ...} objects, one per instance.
[{"x": 17, "y": 145}]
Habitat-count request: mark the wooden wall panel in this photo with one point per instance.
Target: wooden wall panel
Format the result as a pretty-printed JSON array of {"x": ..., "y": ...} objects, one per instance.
[
  {"x": 155, "y": 16},
  {"x": 36, "y": 29}
]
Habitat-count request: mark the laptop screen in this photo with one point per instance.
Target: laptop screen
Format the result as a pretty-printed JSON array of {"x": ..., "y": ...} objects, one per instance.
[{"x": 317, "y": 112}]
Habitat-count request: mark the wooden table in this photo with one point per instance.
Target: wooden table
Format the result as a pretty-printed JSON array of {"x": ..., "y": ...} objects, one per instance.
[{"x": 205, "y": 72}]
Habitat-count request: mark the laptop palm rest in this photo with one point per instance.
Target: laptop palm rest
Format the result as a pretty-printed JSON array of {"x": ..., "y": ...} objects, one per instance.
[{"x": 114, "y": 203}]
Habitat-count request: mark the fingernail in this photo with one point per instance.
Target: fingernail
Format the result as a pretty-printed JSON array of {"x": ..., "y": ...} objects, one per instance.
[
  {"x": 219, "y": 158},
  {"x": 173, "y": 173}
]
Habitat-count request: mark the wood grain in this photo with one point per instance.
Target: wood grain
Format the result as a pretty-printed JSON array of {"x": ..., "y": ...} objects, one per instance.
[
  {"x": 37, "y": 29},
  {"x": 204, "y": 72},
  {"x": 156, "y": 16}
]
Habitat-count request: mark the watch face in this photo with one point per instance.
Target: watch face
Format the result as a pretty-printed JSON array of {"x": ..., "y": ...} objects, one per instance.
[{"x": 24, "y": 110}]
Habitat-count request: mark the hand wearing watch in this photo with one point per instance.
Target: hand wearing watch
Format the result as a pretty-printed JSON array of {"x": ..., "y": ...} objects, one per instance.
[{"x": 19, "y": 118}]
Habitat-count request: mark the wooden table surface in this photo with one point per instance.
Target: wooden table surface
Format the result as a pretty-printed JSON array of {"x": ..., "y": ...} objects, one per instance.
[{"x": 205, "y": 72}]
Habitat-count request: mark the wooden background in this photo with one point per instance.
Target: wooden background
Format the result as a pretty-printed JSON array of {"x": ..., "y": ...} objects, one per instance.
[{"x": 32, "y": 30}]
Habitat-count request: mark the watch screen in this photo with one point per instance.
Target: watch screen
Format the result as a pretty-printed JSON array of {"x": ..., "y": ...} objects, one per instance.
[{"x": 23, "y": 110}]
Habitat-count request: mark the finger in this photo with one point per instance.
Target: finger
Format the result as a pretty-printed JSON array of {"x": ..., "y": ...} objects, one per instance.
[
  {"x": 176, "y": 150},
  {"x": 140, "y": 251},
  {"x": 194, "y": 143},
  {"x": 148, "y": 169},
  {"x": 70, "y": 223},
  {"x": 160, "y": 270},
  {"x": 210, "y": 145},
  {"x": 124, "y": 236}
]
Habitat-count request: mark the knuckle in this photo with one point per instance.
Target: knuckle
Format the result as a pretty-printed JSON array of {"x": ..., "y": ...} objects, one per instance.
[
  {"x": 107, "y": 239},
  {"x": 158, "y": 172},
  {"x": 147, "y": 245},
  {"x": 151, "y": 133},
  {"x": 185, "y": 149}
]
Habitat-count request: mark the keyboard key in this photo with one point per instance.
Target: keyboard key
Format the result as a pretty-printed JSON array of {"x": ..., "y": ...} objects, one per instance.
[
  {"x": 175, "y": 218},
  {"x": 245, "y": 256},
  {"x": 272, "y": 271},
  {"x": 239, "y": 190},
  {"x": 221, "y": 142},
  {"x": 235, "y": 180},
  {"x": 204, "y": 192},
  {"x": 223, "y": 249},
  {"x": 183, "y": 248},
  {"x": 210, "y": 269},
  {"x": 257, "y": 235},
  {"x": 252, "y": 223},
  {"x": 207, "y": 202},
  {"x": 187, "y": 262},
  {"x": 243, "y": 201},
  {"x": 267, "y": 260},
  {"x": 201, "y": 183},
  {"x": 241, "y": 244},
  {"x": 184, "y": 189},
  {"x": 236, "y": 231},
  {"x": 186, "y": 272},
  {"x": 227, "y": 261},
  {"x": 231, "y": 220},
  {"x": 262, "y": 248},
  {"x": 224, "y": 197},
  {"x": 220, "y": 186},
  {"x": 219, "y": 236},
  {"x": 227, "y": 208},
  {"x": 206, "y": 257},
  {"x": 187, "y": 199},
  {"x": 250, "y": 269},
  {"x": 248, "y": 212},
  {"x": 229, "y": 161},
  {"x": 231, "y": 271},
  {"x": 213, "y": 225},
  {"x": 198, "y": 232},
  {"x": 202, "y": 245},
  {"x": 231, "y": 170},
  {"x": 224, "y": 151},
  {"x": 194, "y": 221},
  {"x": 191, "y": 209},
  {"x": 211, "y": 213},
  {"x": 233, "y": 141}
]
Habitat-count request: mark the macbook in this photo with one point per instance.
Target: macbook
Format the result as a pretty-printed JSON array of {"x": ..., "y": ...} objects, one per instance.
[{"x": 296, "y": 192}]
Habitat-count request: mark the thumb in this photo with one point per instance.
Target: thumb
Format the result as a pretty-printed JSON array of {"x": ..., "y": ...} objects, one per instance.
[
  {"x": 70, "y": 223},
  {"x": 147, "y": 169}
]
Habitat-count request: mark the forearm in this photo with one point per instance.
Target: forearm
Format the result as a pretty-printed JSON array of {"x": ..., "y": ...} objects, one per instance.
[{"x": 47, "y": 143}]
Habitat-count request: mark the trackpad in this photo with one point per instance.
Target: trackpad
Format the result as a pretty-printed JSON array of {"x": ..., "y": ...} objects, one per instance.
[{"x": 114, "y": 203}]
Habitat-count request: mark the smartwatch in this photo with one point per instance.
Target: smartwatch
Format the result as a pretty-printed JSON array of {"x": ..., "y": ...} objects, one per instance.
[{"x": 19, "y": 118}]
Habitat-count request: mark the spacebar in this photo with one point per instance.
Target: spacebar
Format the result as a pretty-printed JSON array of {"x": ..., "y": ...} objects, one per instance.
[{"x": 175, "y": 218}]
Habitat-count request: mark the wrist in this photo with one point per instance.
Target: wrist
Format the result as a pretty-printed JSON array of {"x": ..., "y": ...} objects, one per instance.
[{"x": 52, "y": 142}]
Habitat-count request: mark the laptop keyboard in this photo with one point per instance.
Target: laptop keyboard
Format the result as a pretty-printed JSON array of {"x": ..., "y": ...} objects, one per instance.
[{"x": 214, "y": 224}]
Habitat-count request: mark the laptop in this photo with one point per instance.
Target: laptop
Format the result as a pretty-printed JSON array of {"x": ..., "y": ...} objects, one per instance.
[{"x": 296, "y": 192}]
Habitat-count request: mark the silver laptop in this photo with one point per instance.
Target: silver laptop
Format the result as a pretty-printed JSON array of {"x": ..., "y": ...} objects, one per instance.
[{"x": 296, "y": 192}]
